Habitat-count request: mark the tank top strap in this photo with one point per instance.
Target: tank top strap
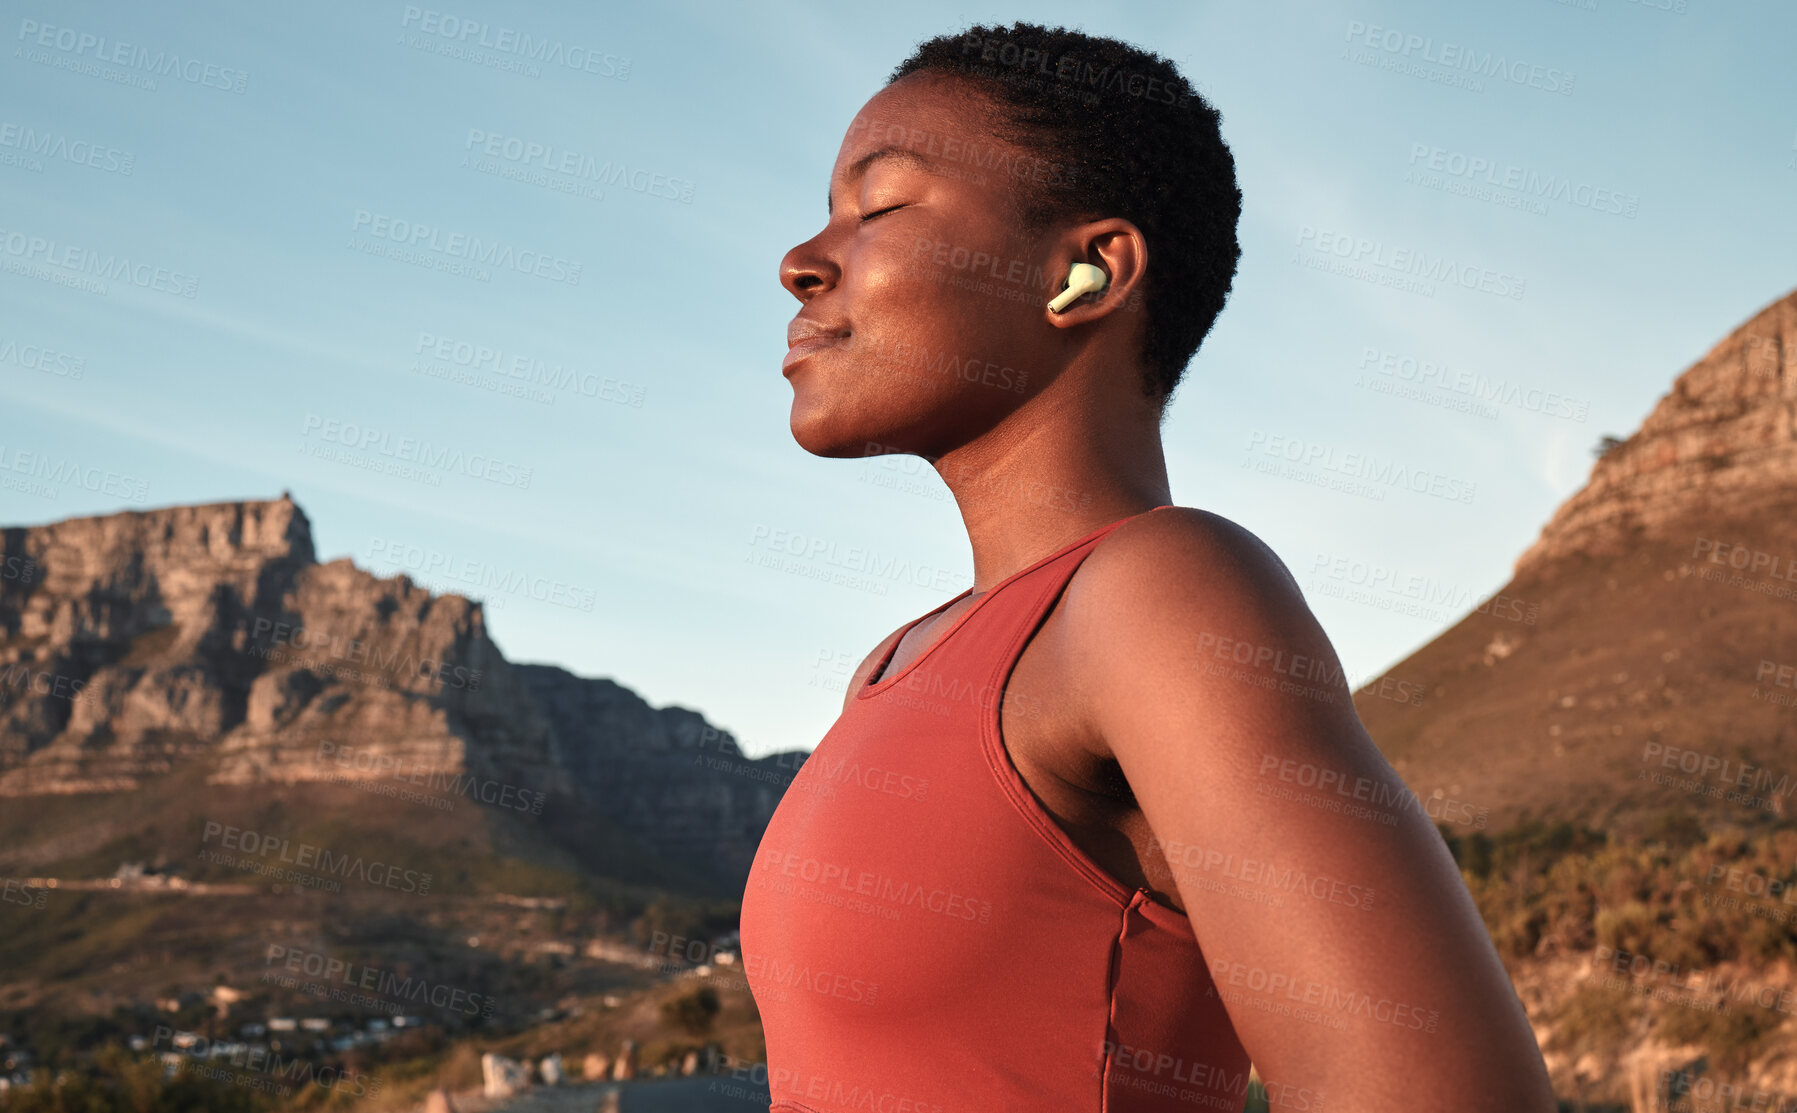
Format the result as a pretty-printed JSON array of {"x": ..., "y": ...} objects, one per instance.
[
  {"x": 988, "y": 635},
  {"x": 1015, "y": 615}
]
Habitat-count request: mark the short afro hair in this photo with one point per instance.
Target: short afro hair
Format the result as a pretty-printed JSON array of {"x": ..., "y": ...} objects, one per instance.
[{"x": 1134, "y": 140}]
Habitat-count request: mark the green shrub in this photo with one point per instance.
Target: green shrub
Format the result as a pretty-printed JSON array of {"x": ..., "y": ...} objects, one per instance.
[
  {"x": 692, "y": 1012},
  {"x": 1730, "y": 1036},
  {"x": 1593, "y": 1018}
]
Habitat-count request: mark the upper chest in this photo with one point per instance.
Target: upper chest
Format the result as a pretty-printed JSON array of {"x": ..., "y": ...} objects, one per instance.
[{"x": 1065, "y": 766}]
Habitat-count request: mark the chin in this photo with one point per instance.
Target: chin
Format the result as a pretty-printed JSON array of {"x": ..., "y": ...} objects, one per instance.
[
  {"x": 833, "y": 428},
  {"x": 819, "y": 435}
]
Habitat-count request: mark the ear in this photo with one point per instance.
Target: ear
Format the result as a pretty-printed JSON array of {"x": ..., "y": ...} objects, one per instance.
[{"x": 1113, "y": 245}]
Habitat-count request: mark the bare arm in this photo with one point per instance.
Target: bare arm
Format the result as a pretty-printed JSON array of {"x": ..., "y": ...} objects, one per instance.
[{"x": 1374, "y": 984}]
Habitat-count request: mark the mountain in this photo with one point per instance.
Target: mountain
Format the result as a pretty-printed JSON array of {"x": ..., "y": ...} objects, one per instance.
[
  {"x": 1639, "y": 662},
  {"x": 140, "y": 644}
]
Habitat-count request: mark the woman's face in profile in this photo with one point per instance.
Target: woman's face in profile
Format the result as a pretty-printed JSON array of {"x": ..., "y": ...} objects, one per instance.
[{"x": 928, "y": 304}]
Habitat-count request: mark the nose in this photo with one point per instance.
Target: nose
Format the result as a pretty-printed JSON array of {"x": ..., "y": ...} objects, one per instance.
[{"x": 807, "y": 272}]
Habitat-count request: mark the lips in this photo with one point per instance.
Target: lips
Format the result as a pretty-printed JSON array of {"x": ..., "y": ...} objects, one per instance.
[
  {"x": 805, "y": 348},
  {"x": 804, "y": 338}
]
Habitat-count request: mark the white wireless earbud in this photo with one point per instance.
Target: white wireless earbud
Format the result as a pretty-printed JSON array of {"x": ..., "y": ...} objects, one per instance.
[{"x": 1084, "y": 278}]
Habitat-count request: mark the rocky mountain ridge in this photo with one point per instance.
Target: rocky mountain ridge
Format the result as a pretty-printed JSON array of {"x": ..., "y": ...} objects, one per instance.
[
  {"x": 1724, "y": 435},
  {"x": 133, "y": 641},
  {"x": 1649, "y": 633}
]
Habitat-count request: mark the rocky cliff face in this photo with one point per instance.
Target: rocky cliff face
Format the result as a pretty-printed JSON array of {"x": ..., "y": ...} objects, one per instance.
[
  {"x": 664, "y": 775},
  {"x": 1725, "y": 435},
  {"x": 135, "y": 640},
  {"x": 117, "y": 636}
]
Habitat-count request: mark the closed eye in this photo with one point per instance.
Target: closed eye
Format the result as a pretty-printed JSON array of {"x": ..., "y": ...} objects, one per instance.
[{"x": 879, "y": 212}]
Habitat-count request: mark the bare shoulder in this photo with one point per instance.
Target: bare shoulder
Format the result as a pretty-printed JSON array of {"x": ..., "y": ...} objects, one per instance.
[
  {"x": 1186, "y": 606},
  {"x": 1184, "y": 558}
]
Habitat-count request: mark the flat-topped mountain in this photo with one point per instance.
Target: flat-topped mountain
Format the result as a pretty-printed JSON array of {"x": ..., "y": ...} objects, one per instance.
[{"x": 132, "y": 643}]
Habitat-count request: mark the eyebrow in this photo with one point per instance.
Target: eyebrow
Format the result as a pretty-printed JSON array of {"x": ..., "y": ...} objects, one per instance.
[{"x": 859, "y": 166}]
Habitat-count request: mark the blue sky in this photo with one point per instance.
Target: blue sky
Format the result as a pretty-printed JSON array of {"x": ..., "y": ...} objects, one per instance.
[{"x": 258, "y": 173}]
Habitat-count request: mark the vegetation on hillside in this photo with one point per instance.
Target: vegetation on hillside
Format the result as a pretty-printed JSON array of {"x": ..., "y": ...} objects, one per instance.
[{"x": 1691, "y": 931}]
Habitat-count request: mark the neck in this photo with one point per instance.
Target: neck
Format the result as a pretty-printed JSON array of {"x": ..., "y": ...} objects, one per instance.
[{"x": 1057, "y": 468}]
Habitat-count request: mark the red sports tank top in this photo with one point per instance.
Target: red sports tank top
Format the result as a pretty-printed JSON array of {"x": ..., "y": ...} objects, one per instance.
[{"x": 921, "y": 936}]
